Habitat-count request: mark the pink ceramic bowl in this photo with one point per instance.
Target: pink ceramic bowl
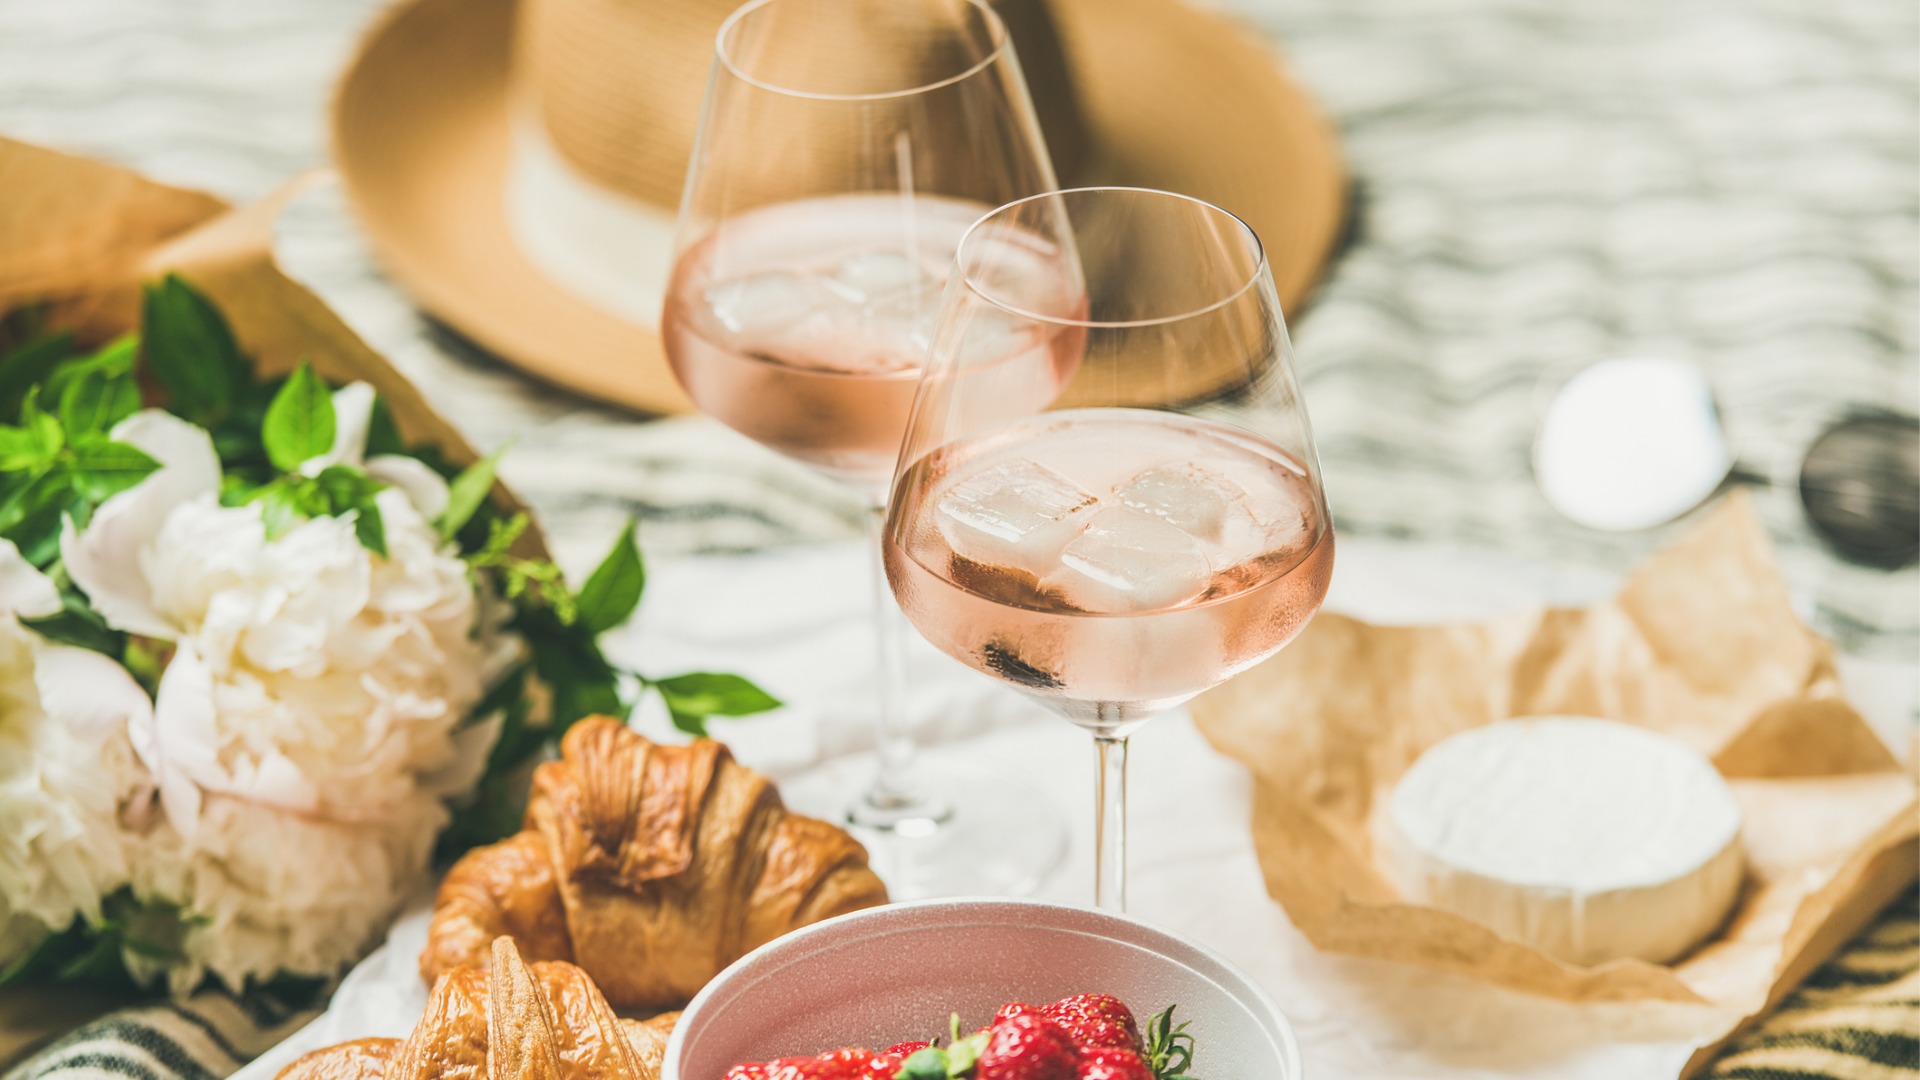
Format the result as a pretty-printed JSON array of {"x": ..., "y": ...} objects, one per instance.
[{"x": 889, "y": 974}]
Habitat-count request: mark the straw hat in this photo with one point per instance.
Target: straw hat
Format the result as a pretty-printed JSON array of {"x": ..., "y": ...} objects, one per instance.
[{"x": 517, "y": 167}]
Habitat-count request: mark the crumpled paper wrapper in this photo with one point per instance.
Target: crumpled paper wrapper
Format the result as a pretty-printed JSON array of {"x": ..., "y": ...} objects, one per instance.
[
  {"x": 80, "y": 237},
  {"x": 1701, "y": 644}
]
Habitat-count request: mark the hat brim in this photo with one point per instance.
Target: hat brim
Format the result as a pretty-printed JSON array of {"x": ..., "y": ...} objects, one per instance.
[{"x": 1172, "y": 97}]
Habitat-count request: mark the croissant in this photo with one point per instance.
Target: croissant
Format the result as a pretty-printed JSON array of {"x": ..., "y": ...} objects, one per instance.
[
  {"x": 652, "y": 867},
  {"x": 546, "y": 1021}
]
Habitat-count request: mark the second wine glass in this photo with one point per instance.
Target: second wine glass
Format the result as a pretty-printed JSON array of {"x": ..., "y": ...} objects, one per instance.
[
  {"x": 844, "y": 149},
  {"x": 1162, "y": 530}
]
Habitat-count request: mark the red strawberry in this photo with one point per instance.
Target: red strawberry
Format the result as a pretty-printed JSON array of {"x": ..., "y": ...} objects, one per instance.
[
  {"x": 1095, "y": 1020},
  {"x": 1015, "y": 1008},
  {"x": 906, "y": 1048},
  {"x": 1027, "y": 1046},
  {"x": 887, "y": 1066},
  {"x": 847, "y": 1064},
  {"x": 1111, "y": 1063}
]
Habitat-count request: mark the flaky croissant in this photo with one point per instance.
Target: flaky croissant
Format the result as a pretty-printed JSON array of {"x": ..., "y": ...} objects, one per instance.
[
  {"x": 652, "y": 867},
  {"x": 546, "y": 1021}
]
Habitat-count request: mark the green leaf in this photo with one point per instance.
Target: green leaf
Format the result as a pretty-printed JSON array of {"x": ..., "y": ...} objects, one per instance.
[
  {"x": 25, "y": 450},
  {"x": 44, "y": 492},
  {"x": 282, "y": 506},
  {"x": 35, "y": 443},
  {"x": 300, "y": 422},
  {"x": 1169, "y": 1051},
  {"x": 613, "y": 590},
  {"x": 111, "y": 361},
  {"x": 571, "y": 664},
  {"x": 370, "y": 529},
  {"x": 962, "y": 1055},
  {"x": 95, "y": 402},
  {"x": 695, "y": 696},
  {"x": 92, "y": 954},
  {"x": 190, "y": 348},
  {"x": 383, "y": 435},
  {"x": 78, "y": 624},
  {"x": 25, "y": 367},
  {"x": 466, "y": 494},
  {"x": 929, "y": 1063},
  {"x": 103, "y": 468},
  {"x": 343, "y": 488}
]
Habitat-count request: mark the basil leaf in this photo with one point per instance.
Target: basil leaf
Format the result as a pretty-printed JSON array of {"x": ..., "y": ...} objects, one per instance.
[
  {"x": 191, "y": 350},
  {"x": 103, "y": 468},
  {"x": 466, "y": 494},
  {"x": 300, "y": 422},
  {"x": 613, "y": 590}
]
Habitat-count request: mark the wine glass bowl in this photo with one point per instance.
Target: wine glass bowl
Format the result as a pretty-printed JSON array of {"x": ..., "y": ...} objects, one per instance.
[
  {"x": 845, "y": 147},
  {"x": 1160, "y": 530}
]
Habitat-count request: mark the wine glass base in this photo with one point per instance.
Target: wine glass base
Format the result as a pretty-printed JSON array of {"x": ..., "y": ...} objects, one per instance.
[{"x": 973, "y": 832}]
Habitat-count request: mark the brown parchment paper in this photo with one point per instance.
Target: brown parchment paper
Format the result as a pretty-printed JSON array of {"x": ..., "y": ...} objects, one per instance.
[
  {"x": 80, "y": 237},
  {"x": 1702, "y": 644}
]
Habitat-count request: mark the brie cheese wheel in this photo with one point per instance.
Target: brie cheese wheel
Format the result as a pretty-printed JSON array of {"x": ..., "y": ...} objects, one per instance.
[{"x": 1588, "y": 839}]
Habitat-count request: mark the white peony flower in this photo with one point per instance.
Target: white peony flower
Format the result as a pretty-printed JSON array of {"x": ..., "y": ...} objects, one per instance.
[
  {"x": 310, "y": 719},
  {"x": 67, "y": 768},
  {"x": 284, "y": 891}
]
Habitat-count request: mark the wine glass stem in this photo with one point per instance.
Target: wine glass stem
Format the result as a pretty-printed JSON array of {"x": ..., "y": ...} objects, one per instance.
[
  {"x": 893, "y": 791},
  {"x": 1110, "y": 827}
]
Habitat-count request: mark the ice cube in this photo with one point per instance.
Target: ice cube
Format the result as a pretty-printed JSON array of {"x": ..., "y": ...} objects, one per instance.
[
  {"x": 761, "y": 303},
  {"x": 1127, "y": 560},
  {"x": 992, "y": 334},
  {"x": 871, "y": 275},
  {"x": 1207, "y": 504},
  {"x": 1016, "y": 514},
  {"x": 1193, "y": 498}
]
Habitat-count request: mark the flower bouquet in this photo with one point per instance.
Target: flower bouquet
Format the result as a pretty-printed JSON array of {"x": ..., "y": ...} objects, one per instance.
[{"x": 262, "y": 655}]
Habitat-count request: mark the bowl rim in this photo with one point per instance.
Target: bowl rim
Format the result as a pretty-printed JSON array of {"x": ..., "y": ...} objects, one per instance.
[{"x": 1051, "y": 913}]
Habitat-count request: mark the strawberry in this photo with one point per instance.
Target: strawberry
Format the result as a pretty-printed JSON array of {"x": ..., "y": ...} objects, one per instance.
[
  {"x": 1112, "y": 1063},
  {"x": 1027, "y": 1046},
  {"x": 886, "y": 1066},
  {"x": 846, "y": 1064},
  {"x": 1095, "y": 1020},
  {"x": 905, "y": 1048},
  {"x": 1014, "y": 1008}
]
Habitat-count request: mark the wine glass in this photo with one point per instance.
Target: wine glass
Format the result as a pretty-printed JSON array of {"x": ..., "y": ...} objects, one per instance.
[
  {"x": 844, "y": 148},
  {"x": 1163, "y": 527}
]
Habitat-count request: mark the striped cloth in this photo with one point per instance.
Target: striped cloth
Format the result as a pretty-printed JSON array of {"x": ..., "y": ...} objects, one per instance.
[
  {"x": 1539, "y": 184},
  {"x": 1857, "y": 1018}
]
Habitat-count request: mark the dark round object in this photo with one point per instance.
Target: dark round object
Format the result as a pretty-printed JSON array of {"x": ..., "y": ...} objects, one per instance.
[{"x": 1860, "y": 484}]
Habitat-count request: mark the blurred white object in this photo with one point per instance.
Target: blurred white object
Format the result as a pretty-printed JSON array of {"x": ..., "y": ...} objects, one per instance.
[
  {"x": 1590, "y": 840},
  {"x": 1631, "y": 443}
]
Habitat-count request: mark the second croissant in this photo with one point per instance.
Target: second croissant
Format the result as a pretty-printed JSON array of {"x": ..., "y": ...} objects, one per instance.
[{"x": 651, "y": 867}]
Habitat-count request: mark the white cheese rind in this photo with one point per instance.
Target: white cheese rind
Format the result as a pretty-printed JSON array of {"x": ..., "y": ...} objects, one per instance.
[{"x": 1588, "y": 839}]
